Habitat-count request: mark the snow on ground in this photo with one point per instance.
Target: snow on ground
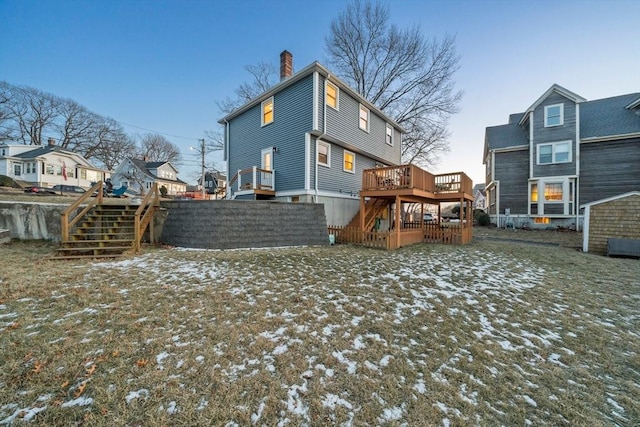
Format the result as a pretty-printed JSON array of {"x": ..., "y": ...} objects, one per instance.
[{"x": 482, "y": 291}]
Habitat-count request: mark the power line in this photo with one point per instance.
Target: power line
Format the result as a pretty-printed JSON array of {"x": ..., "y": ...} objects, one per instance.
[{"x": 158, "y": 132}]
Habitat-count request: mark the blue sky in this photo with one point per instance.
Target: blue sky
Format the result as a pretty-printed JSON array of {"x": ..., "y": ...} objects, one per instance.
[{"x": 162, "y": 65}]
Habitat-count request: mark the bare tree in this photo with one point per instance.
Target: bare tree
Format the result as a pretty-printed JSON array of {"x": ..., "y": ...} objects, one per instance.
[
  {"x": 263, "y": 77},
  {"x": 114, "y": 145},
  {"x": 6, "y": 116},
  {"x": 408, "y": 77},
  {"x": 76, "y": 127},
  {"x": 32, "y": 111},
  {"x": 157, "y": 148}
]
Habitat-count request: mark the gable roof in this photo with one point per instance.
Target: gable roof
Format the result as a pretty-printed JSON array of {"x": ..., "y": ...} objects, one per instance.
[
  {"x": 146, "y": 166},
  {"x": 306, "y": 71},
  {"x": 554, "y": 88},
  {"x": 598, "y": 118},
  {"x": 43, "y": 150}
]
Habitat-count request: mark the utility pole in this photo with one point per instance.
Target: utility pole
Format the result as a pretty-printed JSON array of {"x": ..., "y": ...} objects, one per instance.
[{"x": 202, "y": 152}]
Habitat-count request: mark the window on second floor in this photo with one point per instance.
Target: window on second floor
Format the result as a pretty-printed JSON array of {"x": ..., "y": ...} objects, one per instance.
[
  {"x": 556, "y": 152},
  {"x": 364, "y": 118},
  {"x": 332, "y": 95},
  {"x": 349, "y": 162},
  {"x": 324, "y": 154},
  {"x": 389, "y": 135},
  {"x": 267, "y": 111},
  {"x": 554, "y": 115}
]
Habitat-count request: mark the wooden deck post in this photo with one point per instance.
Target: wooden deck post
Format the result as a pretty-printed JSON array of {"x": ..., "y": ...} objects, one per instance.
[
  {"x": 362, "y": 214},
  {"x": 398, "y": 207}
]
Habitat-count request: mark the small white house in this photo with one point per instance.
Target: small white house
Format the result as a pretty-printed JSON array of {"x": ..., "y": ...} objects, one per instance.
[
  {"x": 48, "y": 165},
  {"x": 140, "y": 175}
]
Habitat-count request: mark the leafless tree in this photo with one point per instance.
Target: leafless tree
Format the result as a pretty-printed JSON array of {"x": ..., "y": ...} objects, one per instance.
[
  {"x": 263, "y": 77},
  {"x": 404, "y": 74},
  {"x": 157, "y": 148},
  {"x": 6, "y": 116},
  {"x": 76, "y": 126},
  {"x": 114, "y": 145},
  {"x": 32, "y": 111}
]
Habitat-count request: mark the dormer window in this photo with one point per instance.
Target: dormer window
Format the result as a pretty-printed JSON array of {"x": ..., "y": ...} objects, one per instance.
[{"x": 554, "y": 115}]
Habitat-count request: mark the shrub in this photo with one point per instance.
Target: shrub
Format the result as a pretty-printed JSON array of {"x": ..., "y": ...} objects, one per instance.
[
  {"x": 163, "y": 191},
  {"x": 483, "y": 219},
  {"x": 5, "y": 181}
]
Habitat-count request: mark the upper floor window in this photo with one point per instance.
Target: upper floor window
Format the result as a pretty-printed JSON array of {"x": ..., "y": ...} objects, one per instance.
[
  {"x": 364, "y": 118},
  {"x": 556, "y": 152},
  {"x": 389, "y": 135},
  {"x": 554, "y": 115},
  {"x": 324, "y": 154},
  {"x": 349, "y": 162},
  {"x": 332, "y": 95},
  {"x": 267, "y": 111}
]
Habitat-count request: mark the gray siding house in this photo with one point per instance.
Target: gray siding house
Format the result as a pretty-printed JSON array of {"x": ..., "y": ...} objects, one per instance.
[
  {"x": 307, "y": 139},
  {"x": 561, "y": 153}
]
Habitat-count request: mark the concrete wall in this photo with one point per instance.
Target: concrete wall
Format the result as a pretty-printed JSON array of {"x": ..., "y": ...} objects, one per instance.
[
  {"x": 28, "y": 220},
  {"x": 616, "y": 219},
  {"x": 227, "y": 224}
]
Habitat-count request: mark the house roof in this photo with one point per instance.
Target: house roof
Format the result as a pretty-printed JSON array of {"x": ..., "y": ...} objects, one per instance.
[
  {"x": 610, "y": 199},
  {"x": 554, "y": 88},
  {"x": 478, "y": 187},
  {"x": 609, "y": 116},
  {"x": 309, "y": 69},
  {"x": 146, "y": 166},
  {"x": 43, "y": 150},
  {"x": 598, "y": 118}
]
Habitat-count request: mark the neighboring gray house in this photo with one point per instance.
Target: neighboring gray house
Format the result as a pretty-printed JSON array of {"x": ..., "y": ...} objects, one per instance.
[
  {"x": 307, "y": 139},
  {"x": 479, "y": 200},
  {"x": 561, "y": 153},
  {"x": 140, "y": 175}
]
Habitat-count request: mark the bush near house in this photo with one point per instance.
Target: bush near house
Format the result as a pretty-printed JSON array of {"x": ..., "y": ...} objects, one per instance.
[{"x": 5, "y": 181}]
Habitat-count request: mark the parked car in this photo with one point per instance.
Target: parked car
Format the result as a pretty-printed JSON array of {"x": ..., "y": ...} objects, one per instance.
[
  {"x": 68, "y": 189},
  {"x": 39, "y": 190},
  {"x": 428, "y": 217}
]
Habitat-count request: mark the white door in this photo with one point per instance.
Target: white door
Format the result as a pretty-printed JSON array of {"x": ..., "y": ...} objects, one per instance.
[{"x": 266, "y": 179}]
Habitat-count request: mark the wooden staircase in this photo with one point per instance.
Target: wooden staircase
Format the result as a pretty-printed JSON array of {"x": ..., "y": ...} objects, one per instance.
[
  {"x": 373, "y": 208},
  {"x": 102, "y": 230}
]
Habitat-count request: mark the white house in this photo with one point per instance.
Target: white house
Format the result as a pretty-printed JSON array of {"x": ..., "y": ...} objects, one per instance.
[{"x": 48, "y": 165}]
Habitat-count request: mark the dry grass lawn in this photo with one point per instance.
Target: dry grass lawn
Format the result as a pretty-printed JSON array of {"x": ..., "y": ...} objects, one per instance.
[{"x": 492, "y": 333}]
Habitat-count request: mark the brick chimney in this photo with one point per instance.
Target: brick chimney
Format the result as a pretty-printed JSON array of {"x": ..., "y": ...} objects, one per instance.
[
  {"x": 51, "y": 141},
  {"x": 286, "y": 65}
]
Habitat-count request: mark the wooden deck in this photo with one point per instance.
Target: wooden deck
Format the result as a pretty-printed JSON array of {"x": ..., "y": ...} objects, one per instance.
[
  {"x": 384, "y": 193},
  {"x": 253, "y": 181}
]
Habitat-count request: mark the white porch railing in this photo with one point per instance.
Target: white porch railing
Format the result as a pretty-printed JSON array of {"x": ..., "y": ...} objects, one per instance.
[{"x": 252, "y": 179}]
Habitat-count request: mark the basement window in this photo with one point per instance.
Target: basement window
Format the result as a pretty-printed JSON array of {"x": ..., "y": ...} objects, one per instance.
[{"x": 542, "y": 220}]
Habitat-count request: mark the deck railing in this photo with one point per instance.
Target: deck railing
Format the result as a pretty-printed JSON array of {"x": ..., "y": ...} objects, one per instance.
[
  {"x": 67, "y": 222},
  {"x": 253, "y": 178},
  {"x": 144, "y": 216},
  {"x": 412, "y": 176}
]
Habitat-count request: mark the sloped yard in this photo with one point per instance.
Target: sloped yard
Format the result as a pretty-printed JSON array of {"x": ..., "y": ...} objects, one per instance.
[{"x": 493, "y": 333}]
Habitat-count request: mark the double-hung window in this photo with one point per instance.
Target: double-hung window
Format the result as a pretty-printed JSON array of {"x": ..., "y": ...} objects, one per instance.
[
  {"x": 332, "y": 95},
  {"x": 267, "y": 111},
  {"x": 389, "y": 135},
  {"x": 324, "y": 154},
  {"x": 555, "y": 152},
  {"x": 554, "y": 115},
  {"x": 364, "y": 118},
  {"x": 349, "y": 162},
  {"x": 17, "y": 169}
]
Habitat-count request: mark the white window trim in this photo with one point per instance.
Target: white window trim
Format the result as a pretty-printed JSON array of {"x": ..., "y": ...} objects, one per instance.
[
  {"x": 362, "y": 107},
  {"x": 273, "y": 111},
  {"x": 385, "y": 134},
  {"x": 337, "y": 107},
  {"x": 553, "y": 152},
  {"x": 324, "y": 144},
  {"x": 546, "y": 115},
  {"x": 343, "y": 161}
]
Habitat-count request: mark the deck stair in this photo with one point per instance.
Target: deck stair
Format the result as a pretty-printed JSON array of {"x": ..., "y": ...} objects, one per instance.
[
  {"x": 373, "y": 208},
  {"x": 101, "y": 230}
]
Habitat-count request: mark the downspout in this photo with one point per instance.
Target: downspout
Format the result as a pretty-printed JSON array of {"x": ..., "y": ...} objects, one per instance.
[
  {"x": 576, "y": 187},
  {"x": 324, "y": 132},
  {"x": 226, "y": 154}
]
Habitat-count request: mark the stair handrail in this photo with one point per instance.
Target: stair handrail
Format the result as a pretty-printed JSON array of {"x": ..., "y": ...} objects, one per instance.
[
  {"x": 142, "y": 220},
  {"x": 66, "y": 224}
]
